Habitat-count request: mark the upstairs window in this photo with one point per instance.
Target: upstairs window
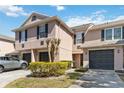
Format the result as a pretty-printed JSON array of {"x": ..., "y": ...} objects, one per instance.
[
  {"x": 33, "y": 18},
  {"x": 117, "y": 33},
  {"x": 42, "y": 32},
  {"x": 23, "y": 36},
  {"x": 114, "y": 33},
  {"x": 79, "y": 37},
  {"x": 108, "y": 34}
]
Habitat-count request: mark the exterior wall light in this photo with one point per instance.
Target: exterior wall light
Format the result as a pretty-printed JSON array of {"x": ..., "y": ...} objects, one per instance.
[{"x": 118, "y": 51}]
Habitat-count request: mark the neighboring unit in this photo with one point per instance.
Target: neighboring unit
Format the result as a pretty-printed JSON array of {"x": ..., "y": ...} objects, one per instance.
[
  {"x": 6, "y": 45},
  {"x": 103, "y": 46}
]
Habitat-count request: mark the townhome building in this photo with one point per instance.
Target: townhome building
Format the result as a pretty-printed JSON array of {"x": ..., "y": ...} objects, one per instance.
[
  {"x": 6, "y": 45},
  {"x": 31, "y": 38},
  {"x": 88, "y": 45}
]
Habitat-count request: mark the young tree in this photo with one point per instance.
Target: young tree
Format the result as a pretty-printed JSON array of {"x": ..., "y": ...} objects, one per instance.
[
  {"x": 48, "y": 42},
  {"x": 52, "y": 45}
]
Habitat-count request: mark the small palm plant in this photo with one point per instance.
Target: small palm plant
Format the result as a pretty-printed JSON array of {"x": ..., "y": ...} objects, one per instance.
[{"x": 53, "y": 46}]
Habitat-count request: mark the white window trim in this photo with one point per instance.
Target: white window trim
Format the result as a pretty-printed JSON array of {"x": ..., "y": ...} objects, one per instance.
[{"x": 113, "y": 33}]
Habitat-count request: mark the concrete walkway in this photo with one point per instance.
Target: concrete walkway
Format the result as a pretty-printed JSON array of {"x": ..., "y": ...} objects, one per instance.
[
  {"x": 99, "y": 79},
  {"x": 7, "y": 77}
]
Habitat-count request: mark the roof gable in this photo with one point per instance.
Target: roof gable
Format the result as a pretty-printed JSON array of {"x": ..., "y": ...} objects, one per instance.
[{"x": 39, "y": 17}]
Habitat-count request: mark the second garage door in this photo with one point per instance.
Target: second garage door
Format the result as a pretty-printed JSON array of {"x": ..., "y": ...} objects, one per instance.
[{"x": 101, "y": 59}]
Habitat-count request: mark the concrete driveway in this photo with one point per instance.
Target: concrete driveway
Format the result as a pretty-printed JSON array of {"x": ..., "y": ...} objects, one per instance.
[
  {"x": 7, "y": 77},
  {"x": 99, "y": 79}
]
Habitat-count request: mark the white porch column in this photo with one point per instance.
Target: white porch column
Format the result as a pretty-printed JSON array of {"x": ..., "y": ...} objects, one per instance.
[
  {"x": 118, "y": 58},
  {"x": 85, "y": 58},
  {"x": 32, "y": 56}
]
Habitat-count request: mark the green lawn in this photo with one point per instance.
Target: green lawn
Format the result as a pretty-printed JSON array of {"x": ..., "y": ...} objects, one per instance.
[{"x": 30, "y": 82}]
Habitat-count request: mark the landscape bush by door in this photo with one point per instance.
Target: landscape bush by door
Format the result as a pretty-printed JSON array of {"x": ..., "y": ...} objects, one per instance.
[{"x": 41, "y": 69}]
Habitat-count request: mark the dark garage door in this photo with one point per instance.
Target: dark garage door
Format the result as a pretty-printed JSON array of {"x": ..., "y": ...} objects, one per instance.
[
  {"x": 101, "y": 59},
  {"x": 43, "y": 56},
  {"x": 27, "y": 57}
]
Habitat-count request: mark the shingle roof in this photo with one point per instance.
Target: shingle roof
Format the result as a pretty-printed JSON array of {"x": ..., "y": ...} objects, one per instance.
[
  {"x": 7, "y": 38},
  {"x": 108, "y": 24},
  {"x": 44, "y": 21},
  {"x": 83, "y": 27}
]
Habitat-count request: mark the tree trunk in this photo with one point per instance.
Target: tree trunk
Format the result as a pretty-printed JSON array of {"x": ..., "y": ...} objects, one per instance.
[{"x": 49, "y": 53}]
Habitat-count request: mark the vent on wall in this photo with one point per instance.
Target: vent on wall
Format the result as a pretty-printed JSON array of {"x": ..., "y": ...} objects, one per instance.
[
  {"x": 78, "y": 47},
  {"x": 23, "y": 45},
  {"x": 33, "y": 18},
  {"x": 42, "y": 43}
]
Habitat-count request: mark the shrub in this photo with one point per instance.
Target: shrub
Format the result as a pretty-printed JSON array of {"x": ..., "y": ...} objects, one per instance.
[
  {"x": 69, "y": 63},
  {"x": 40, "y": 69},
  {"x": 81, "y": 69}
]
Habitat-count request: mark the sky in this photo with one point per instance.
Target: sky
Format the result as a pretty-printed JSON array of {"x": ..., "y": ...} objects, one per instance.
[{"x": 13, "y": 16}]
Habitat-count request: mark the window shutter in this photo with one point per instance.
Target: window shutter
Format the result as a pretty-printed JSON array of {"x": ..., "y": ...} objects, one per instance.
[
  {"x": 19, "y": 36},
  {"x": 123, "y": 32},
  {"x": 74, "y": 39},
  {"x": 102, "y": 35},
  {"x": 46, "y": 29},
  {"x": 82, "y": 37},
  {"x": 37, "y": 32},
  {"x": 25, "y": 35}
]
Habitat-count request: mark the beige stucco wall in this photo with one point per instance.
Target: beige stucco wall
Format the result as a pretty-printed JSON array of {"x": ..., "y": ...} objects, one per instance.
[
  {"x": 65, "y": 47},
  {"x": 118, "y": 57},
  {"x": 6, "y": 47},
  {"x": 85, "y": 58},
  {"x": 93, "y": 36}
]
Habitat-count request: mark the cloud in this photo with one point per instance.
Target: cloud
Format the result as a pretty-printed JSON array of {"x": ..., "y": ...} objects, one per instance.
[
  {"x": 59, "y": 7},
  {"x": 100, "y": 12},
  {"x": 95, "y": 17},
  {"x": 13, "y": 11}
]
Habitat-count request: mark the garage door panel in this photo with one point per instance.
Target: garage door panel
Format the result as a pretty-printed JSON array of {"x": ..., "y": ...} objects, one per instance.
[
  {"x": 43, "y": 56},
  {"x": 27, "y": 57},
  {"x": 101, "y": 59}
]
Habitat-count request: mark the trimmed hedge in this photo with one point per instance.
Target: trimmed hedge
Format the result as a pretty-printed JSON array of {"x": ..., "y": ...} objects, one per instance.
[
  {"x": 42, "y": 69},
  {"x": 69, "y": 63}
]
